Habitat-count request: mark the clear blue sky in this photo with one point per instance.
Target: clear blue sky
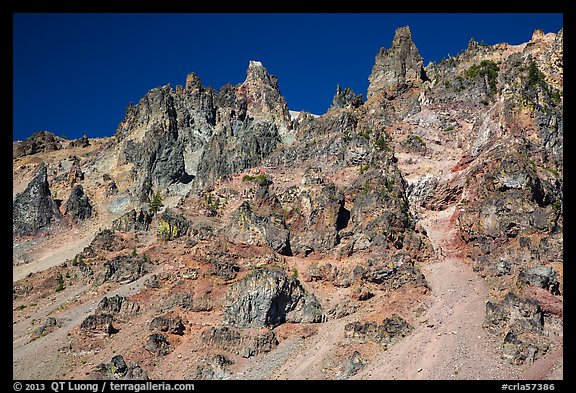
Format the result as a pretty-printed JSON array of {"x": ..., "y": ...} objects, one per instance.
[{"x": 75, "y": 74}]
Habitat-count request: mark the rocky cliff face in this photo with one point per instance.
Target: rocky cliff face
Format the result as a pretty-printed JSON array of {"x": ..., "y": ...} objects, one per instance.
[
  {"x": 187, "y": 138},
  {"x": 398, "y": 67},
  {"x": 280, "y": 248},
  {"x": 34, "y": 209}
]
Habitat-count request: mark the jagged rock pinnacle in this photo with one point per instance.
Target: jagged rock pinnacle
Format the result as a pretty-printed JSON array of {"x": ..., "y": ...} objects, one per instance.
[
  {"x": 34, "y": 208},
  {"x": 399, "y": 65},
  {"x": 193, "y": 81},
  {"x": 256, "y": 73}
]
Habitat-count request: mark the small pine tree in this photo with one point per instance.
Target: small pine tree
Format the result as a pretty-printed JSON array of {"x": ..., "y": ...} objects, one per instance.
[
  {"x": 156, "y": 202},
  {"x": 60, "y": 283}
]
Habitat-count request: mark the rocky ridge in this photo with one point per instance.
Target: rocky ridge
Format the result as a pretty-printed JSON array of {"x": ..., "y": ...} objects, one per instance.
[{"x": 281, "y": 241}]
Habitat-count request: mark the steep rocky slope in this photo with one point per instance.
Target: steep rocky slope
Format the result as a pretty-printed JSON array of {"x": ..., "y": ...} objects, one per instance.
[{"x": 217, "y": 236}]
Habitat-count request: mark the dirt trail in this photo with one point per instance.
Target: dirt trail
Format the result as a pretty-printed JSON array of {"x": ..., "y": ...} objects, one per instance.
[
  {"x": 448, "y": 341},
  {"x": 54, "y": 255}
]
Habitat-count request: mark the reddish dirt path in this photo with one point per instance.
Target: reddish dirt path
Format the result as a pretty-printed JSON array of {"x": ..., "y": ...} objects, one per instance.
[{"x": 448, "y": 341}]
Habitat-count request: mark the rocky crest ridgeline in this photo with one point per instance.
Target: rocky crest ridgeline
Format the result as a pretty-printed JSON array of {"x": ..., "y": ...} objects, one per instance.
[{"x": 278, "y": 231}]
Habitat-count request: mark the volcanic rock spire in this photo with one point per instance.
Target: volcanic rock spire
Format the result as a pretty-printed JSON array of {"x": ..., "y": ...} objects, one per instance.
[{"x": 397, "y": 67}]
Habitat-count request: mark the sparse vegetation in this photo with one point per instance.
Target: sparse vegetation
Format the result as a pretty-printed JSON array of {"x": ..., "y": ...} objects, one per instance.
[
  {"x": 156, "y": 202},
  {"x": 389, "y": 184},
  {"x": 382, "y": 144},
  {"x": 365, "y": 134},
  {"x": 295, "y": 274},
  {"x": 213, "y": 204},
  {"x": 260, "y": 179},
  {"x": 366, "y": 186},
  {"x": 77, "y": 260},
  {"x": 60, "y": 285},
  {"x": 487, "y": 69},
  {"x": 537, "y": 78},
  {"x": 553, "y": 171},
  {"x": 364, "y": 168}
]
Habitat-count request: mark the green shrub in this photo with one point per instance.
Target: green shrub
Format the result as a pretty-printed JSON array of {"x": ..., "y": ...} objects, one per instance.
[
  {"x": 60, "y": 283},
  {"x": 366, "y": 186},
  {"x": 295, "y": 274},
  {"x": 389, "y": 184},
  {"x": 553, "y": 171},
  {"x": 156, "y": 202},
  {"x": 382, "y": 144},
  {"x": 260, "y": 179},
  {"x": 488, "y": 69}
]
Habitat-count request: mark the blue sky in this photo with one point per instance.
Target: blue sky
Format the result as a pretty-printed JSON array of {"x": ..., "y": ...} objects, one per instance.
[{"x": 75, "y": 74}]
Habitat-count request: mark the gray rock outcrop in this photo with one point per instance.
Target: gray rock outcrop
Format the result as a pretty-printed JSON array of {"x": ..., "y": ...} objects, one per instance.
[
  {"x": 269, "y": 298},
  {"x": 78, "y": 206},
  {"x": 246, "y": 343},
  {"x": 133, "y": 221},
  {"x": 39, "y": 142},
  {"x": 158, "y": 344},
  {"x": 250, "y": 228},
  {"x": 34, "y": 209},
  {"x": 391, "y": 330},
  {"x": 118, "y": 369},
  {"x": 185, "y": 139},
  {"x": 346, "y": 99},
  {"x": 398, "y": 67}
]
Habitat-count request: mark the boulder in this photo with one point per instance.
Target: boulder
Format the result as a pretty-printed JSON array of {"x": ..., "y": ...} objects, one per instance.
[
  {"x": 391, "y": 330},
  {"x": 352, "y": 366},
  {"x": 118, "y": 369},
  {"x": 250, "y": 228},
  {"x": 105, "y": 240},
  {"x": 49, "y": 325},
  {"x": 541, "y": 277},
  {"x": 119, "y": 306},
  {"x": 158, "y": 344},
  {"x": 516, "y": 314},
  {"x": 167, "y": 325},
  {"x": 124, "y": 268},
  {"x": 244, "y": 342},
  {"x": 212, "y": 368},
  {"x": 269, "y": 298},
  {"x": 98, "y": 323}
]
